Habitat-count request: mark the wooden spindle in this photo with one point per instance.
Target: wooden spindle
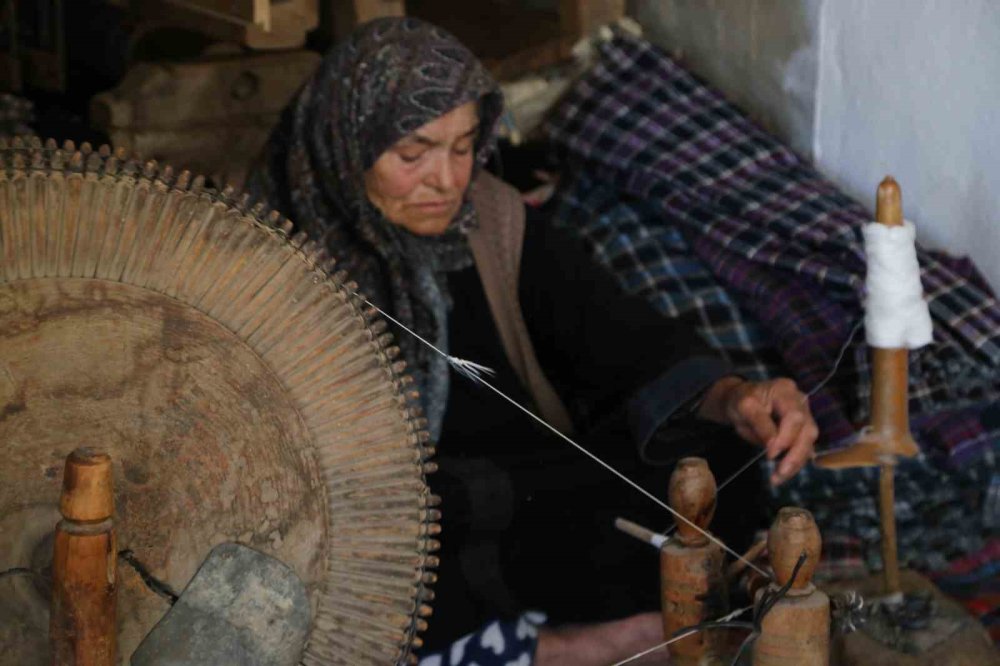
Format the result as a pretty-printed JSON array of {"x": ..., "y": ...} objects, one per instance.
[
  {"x": 890, "y": 367},
  {"x": 890, "y": 406},
  {"x": 796, "y": 631},
  {"x": 889, "y": 436},
  {"x": 692, "y": 584},
  {"x": 84, "y": 565}
]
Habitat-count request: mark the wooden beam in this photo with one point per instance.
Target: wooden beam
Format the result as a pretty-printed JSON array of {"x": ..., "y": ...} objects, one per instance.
[
  {"x": 348, "y": 15},
  {"x": 245, "y": 12},
  {"x": 581, "y": 17}
]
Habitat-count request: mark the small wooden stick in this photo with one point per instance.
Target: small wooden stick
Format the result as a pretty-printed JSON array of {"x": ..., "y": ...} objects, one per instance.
[
  {"x": 737, "y": 566},
  {"x": 83, "y": 622},
  {"x": 641, "y": 533}
]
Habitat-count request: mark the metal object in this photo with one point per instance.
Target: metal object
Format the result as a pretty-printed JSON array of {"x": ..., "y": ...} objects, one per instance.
[
  {"x": 244, "y": 394},
  {"x": 242, "y": 608}
]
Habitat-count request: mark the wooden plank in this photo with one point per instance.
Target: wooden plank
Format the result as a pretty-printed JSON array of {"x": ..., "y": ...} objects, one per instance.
[
  {"x": 291, "y": 21},
  {"x": 581, "y": 17},
  {"x": 245, "y": 12},
  {"x": 345, "y": 16},
  {"x": 366, "y": 10}
]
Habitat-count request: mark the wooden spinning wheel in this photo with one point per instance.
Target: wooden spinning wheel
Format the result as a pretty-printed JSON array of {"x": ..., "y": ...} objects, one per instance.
[{"x": 243, "y": 392}]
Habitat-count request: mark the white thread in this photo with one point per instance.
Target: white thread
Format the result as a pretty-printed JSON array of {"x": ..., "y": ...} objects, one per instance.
[
  {"x": 461, "y": 364},
  {"x": 470, "y": 369},
  {"x": 725, "y": 618},
  {"x": 627, "y": 480},
  {"x": 840, "y": 358},
  {"x": 896, "y": 315}
]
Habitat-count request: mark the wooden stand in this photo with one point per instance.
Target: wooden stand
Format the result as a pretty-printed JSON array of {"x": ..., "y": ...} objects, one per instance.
[
  {"x": 953, "y": 638},
  {"x": 692, "y": 585},
  {"x": 796, "y": 631},
  {"x": 84, "y": 566}
]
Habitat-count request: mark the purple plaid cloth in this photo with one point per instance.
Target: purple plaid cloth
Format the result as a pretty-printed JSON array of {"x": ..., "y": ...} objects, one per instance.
[{"x": 763, "y": 247}]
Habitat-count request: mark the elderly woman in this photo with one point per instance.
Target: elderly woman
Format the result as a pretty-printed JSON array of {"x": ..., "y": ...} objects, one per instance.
[{"x": 381, "y": 156}]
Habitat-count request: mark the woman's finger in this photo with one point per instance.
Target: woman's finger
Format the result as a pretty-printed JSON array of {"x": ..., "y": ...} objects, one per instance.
[{"x": 797, "y": 457}]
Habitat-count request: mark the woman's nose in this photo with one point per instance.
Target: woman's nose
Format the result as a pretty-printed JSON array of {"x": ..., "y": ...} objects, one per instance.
[{"x": 442, "y": 174}]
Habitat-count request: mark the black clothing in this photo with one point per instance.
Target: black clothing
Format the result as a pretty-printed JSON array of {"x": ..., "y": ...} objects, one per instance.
[{"x": 527, "y": 519}]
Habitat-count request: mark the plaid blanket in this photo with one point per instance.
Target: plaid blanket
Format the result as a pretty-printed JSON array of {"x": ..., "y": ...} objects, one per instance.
[{"x": 693, "y": 205}]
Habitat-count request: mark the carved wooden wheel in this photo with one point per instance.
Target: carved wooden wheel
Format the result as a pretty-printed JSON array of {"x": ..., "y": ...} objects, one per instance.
[{"x": 244, "y": 393}]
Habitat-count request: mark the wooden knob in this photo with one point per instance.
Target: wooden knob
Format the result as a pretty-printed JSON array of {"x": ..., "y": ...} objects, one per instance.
[
  {"x": 87, "y": 491},
  {"x": 692, "y": 495},
  {"x": 794, "y": 532},
  {"x": 889, "y": 203}
]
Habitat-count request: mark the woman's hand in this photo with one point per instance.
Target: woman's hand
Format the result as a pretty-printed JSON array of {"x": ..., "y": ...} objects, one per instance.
[
  {"x": 602, "y": 644},
  {"x": 773, "y": 414}
]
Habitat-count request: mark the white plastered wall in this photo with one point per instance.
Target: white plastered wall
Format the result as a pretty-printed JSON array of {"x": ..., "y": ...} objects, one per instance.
[{"x": 865, "y": 88}]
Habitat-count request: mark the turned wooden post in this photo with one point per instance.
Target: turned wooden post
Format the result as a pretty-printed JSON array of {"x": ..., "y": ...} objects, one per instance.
[
  {"x": 692, "y": 586},
  {"x": 796, "y": 631},
  {"x": 890, "y": 406},
  {"x": 84, "y": 565},
  {"x": 889, "y": 435}
]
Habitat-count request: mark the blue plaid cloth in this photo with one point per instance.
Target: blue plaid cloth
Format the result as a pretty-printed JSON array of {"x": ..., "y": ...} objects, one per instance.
[{"x": 691, "y": 204}]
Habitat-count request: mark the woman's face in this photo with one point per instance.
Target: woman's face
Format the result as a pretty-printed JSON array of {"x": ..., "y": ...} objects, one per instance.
[{"x": 420, "y": 182}]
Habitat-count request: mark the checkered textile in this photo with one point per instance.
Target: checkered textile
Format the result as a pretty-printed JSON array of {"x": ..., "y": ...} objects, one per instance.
[{"x": 693, "y": 205}]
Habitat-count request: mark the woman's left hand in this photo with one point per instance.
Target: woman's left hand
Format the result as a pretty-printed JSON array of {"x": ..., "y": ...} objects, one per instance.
[{"x": 773, "y": 414}]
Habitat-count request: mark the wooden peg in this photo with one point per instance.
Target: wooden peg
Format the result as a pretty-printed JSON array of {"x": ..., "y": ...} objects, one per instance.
[
  {"x": 692, "y": 585},
  {"x": 83, "y": 621},
  {"x": 889, "y": 434},
  {"x": 797, "y": 628}
]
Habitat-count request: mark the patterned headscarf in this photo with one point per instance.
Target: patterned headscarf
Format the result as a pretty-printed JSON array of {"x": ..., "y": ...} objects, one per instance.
[{"x": 389, "y": 78}]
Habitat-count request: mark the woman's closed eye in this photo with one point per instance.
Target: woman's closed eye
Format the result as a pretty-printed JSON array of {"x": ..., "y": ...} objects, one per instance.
[{"x": 411, "y": 155}]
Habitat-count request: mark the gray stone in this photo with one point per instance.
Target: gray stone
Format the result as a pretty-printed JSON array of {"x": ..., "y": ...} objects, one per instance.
[{"x": 242, "y": 608}]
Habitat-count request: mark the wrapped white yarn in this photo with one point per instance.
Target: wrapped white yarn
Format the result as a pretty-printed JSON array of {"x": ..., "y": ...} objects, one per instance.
[{"x": 896, "y": 315}]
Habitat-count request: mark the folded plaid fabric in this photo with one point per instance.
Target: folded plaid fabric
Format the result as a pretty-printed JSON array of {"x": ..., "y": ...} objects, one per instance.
[{"x": 691, "y": 203}]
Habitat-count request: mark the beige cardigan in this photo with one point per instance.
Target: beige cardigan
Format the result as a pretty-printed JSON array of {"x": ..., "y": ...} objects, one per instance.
[{"x": 496, "y": 247}]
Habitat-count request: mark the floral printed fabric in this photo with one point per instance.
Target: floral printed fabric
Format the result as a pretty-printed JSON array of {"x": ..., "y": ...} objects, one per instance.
[{"x": 499, "y": 643}]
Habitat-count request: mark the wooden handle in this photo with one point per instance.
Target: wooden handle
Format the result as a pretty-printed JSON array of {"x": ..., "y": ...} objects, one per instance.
[
  {"x": 794, "y": 533},
  {"x": 797, "y": 628},
  {"x": 889, "y": 203},
  {"x": 83, "y": 619},
  {"x": 87, "y": 493},
  {"x": 692, "y": 495}
]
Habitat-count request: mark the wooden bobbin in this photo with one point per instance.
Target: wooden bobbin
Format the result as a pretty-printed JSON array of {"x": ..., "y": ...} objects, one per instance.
[
  {"x": 796, "y": 631},
  {"x": 889, "y": 435},
  {"x": 889, "y": 432},
  {"x": 83, "y": 617},
  {"x": 692, "y": 586}
]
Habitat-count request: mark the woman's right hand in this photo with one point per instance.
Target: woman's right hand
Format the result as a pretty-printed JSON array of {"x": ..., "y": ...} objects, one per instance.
[{"x": 602, "y": 644}]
